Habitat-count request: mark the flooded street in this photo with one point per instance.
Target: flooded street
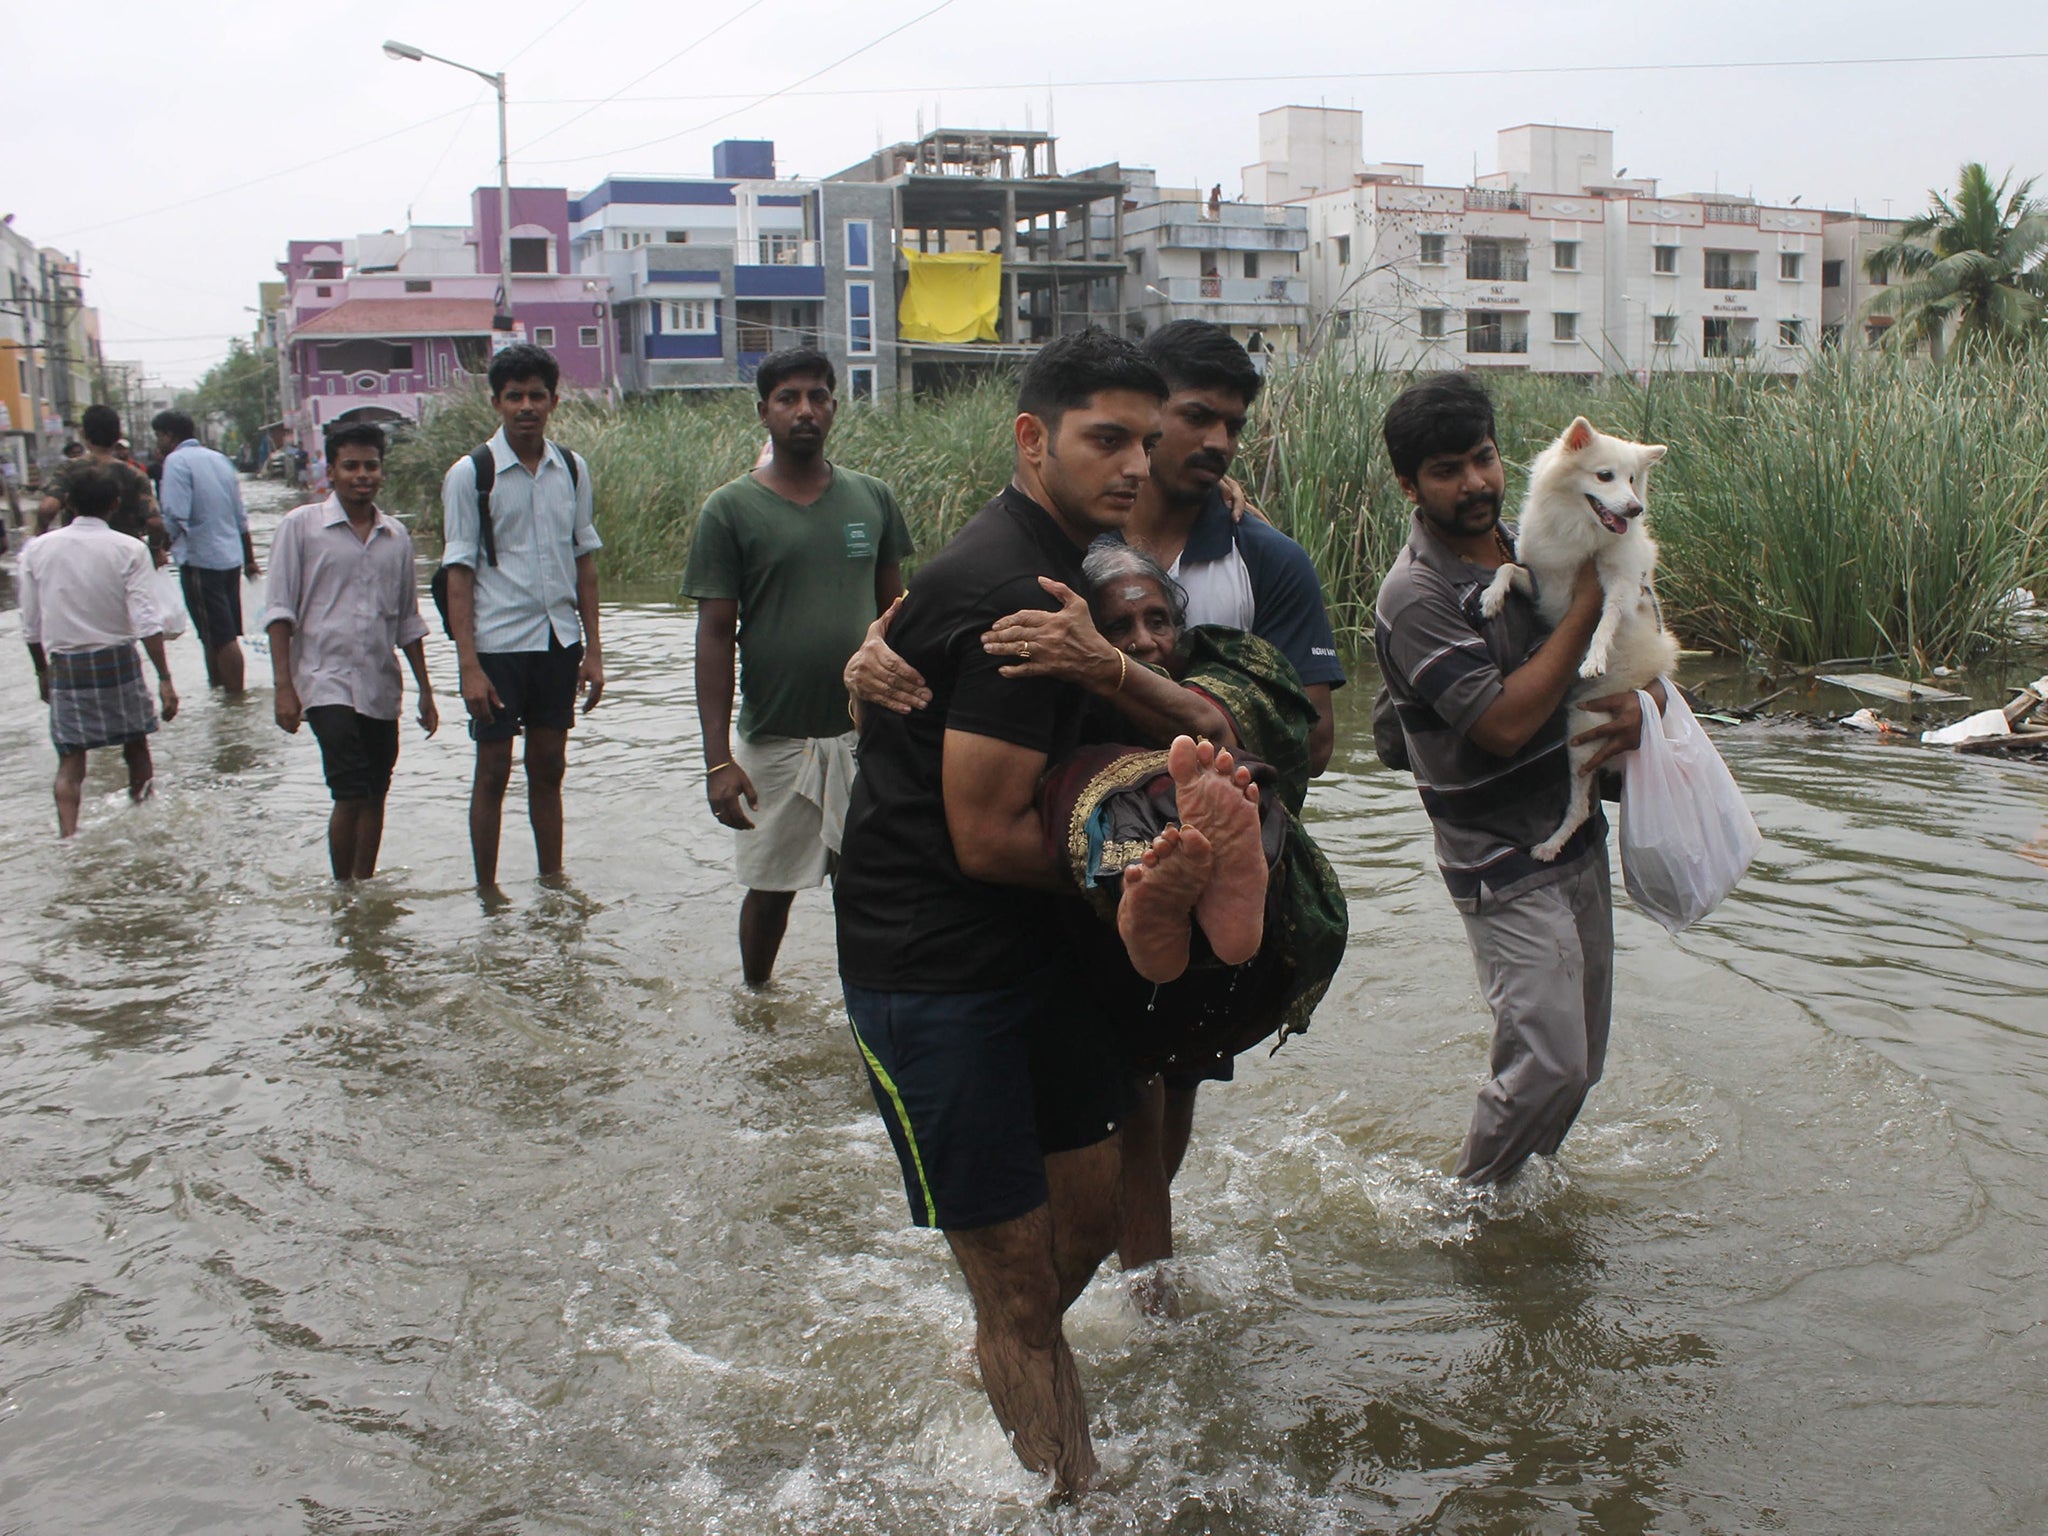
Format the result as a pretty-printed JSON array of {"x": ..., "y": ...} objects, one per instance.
[{"x": 380, "y": 1211}]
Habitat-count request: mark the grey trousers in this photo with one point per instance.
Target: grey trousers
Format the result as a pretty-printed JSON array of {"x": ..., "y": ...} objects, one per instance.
[{"x": 1546, "y": 965}]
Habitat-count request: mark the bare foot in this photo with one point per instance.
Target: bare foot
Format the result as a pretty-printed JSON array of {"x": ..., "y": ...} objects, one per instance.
[
  {"x": 1218, "y": 799},
  {"x": 1160, "y": 892}
]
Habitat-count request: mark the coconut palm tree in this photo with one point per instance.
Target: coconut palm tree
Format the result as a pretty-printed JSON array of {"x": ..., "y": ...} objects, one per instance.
[{"x": 1971, "y": 266}]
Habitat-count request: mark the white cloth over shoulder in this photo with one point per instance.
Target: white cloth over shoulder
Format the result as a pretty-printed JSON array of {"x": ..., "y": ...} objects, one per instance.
[{"x": 804, "y": 784}]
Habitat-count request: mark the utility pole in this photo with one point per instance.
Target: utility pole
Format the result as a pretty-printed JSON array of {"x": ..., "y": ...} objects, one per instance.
[{"x": 503, "y": 320}]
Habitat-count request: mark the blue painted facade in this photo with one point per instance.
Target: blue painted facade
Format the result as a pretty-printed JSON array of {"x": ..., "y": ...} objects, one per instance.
[{"x": 779, "y": 282}]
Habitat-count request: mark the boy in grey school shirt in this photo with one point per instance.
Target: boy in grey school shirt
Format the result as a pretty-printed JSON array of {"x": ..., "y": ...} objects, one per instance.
[{"x": 1481, "y": 711}]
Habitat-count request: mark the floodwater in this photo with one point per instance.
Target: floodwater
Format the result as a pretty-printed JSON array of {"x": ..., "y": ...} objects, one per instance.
[{"x": 381, "y": 1211}]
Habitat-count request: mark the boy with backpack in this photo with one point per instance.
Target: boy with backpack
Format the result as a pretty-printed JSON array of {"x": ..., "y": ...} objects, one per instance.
[{"x": 520, "y": 568}]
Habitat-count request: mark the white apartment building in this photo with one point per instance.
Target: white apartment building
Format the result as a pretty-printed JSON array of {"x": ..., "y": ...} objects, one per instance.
[
  {"x": 1553, "y": 263},
  {"x": 1847, "y": 239},
  {"x": 1237, "y": 265}
]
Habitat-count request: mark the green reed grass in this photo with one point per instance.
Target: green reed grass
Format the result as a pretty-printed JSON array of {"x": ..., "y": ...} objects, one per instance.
[{"x": 1876, "y": 505}]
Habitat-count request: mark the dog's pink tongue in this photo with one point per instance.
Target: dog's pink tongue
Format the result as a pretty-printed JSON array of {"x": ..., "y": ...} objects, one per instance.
[{"x": 1614, "y": 521}]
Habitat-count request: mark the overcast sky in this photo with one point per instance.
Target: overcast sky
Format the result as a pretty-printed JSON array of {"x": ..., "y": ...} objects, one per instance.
[{"x": 176, "y": 149}]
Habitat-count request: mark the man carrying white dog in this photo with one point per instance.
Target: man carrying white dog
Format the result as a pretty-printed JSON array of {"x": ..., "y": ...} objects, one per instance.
[{"x": 1478, "y": 705}]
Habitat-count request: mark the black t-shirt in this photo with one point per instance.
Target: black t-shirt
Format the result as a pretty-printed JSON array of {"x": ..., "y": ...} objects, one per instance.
[{"x": 909, "y": 920}]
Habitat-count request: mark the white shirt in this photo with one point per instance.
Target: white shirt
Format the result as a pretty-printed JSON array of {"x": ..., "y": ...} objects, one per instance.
[
  {"x": 1219, "y": 591},
  {"x": 352, "y": 603},
  {"x": 85, "y": 587},
  {"x": 541, "y": 524}
]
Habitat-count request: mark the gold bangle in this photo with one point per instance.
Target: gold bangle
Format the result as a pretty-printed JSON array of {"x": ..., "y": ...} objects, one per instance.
[
  {"x": 1123, "y": 669},
  {"x": 710, "y": 771}
]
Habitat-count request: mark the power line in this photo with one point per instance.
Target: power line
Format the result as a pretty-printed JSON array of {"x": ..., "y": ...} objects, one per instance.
[
  {"x": 758, "y": 101},
  {"x": 753, "y": 5},
  {"x": 543, "y": 32},
  {"x": 475, "y": 102},
  {"x": 257, "y": 181},
  {"x": 1501, "y": 72}
]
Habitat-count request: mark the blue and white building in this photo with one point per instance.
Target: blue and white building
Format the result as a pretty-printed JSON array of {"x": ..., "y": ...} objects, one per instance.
[{"x": 710, "y": 274}]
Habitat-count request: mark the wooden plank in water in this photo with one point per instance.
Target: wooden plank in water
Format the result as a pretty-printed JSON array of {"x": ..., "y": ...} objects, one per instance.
[{"x": 1897, "y": 689}]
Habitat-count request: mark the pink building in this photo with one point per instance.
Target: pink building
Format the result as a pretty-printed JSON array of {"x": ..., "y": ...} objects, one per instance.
[{"x": 374, "y": 325}]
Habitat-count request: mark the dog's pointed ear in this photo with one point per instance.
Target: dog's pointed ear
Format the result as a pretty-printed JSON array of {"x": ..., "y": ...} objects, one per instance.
[
  {"x": 1652, "y": 452},
  {"x": 1578, "y": 436}
]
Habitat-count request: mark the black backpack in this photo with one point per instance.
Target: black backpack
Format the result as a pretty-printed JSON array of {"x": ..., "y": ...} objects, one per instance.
[{"x": 486, "y": 467}]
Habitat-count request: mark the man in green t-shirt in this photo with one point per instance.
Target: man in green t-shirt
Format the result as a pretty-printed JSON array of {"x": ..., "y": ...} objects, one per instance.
[{"x": 789, "y": 566}]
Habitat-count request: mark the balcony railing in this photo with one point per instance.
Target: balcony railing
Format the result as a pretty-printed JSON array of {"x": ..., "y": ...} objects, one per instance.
[
  {"x": 1233, "y": 290},
  {"x": 1489, "y": 266},
  {"x": 1496, "y": 341},
  {"x": 788, "y": 251},
  {"x": 1730, "y": 278},
  {"x": 1487, "y": 200},
  {"x": 1730, "y": 213}
]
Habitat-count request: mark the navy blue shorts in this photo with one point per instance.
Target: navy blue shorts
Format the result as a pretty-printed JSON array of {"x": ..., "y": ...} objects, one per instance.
[
  {"x": 977, "y": 1088},
  {"x": 357, "y": 752},
  {"x": 214, "y": 599},
  {"x": 535, "y": 688}
]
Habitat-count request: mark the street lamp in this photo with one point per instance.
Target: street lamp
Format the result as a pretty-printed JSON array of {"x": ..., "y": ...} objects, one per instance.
[{"x": 414, "y": 55}]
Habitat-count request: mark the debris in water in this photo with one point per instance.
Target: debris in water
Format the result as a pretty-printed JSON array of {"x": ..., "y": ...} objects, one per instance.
[{"x": 1897, "y": 689}]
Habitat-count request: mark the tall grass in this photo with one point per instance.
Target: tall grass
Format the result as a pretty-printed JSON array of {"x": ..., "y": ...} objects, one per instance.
[{"x": 1874, "y": 506}]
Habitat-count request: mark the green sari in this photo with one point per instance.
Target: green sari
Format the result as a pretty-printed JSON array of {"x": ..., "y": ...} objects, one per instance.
[{"x": 1102, "y": 807}]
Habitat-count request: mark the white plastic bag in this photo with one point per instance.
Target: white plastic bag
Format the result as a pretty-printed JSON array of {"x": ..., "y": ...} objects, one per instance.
[
  {"x": 1686, "y": 835},
  {"x": 170, "y": 600}
]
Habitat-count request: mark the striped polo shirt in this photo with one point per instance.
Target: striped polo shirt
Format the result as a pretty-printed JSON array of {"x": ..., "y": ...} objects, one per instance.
[{"x": 1443, "y": 664}]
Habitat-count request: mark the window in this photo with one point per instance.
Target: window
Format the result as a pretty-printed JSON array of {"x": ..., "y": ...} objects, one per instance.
[
  {"x": 1831, "y": 274},
  {"x": 1430, "y": 250},
  {"x": 543, "y": 335},
  {"x": 860, "y": 255},
  {"x": 1496, "y": 330},
  {"x": 1340, "y": 324},
  {"x": 586, "y": 336},
  {"x": 322, "y": 291},
  {"x": 677, "y": 237},
  {"x": 1791, "y": 265},
  {"x": 1209, "y": 264},
  {"x": 1251, "y": 263},
  {"x": 1564, "y": 255},
  {"x": 860, "y": 319},
  {"x": 1730, "y": 269},
  {"x": 860, "y": 383},
  {"x": 1791, "y": 332},
  {"x": 1664, "y": 258},
  {"x": 1724, "y": 337},
  {"x": 1497, "y": 261},
  {"x": 1432, "y": 324},
  {"x": 1343, "y": 244},
  {"x": 530, "y": 253},
  {"x": 690, "y": 317},
  {"x": 1664, "y": 330},
  {"x": 365, "y": 356},
  {"x": 419, "y": 285},
  {"x": 1831, "y": 336},
  {"x": 330, "y": 270},
  {"x": 1564, "y": 326}
]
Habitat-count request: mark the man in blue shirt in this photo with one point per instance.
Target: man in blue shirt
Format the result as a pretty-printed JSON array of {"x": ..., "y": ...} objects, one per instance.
[
  {"x": 522, "y": 608},
  {"x": 202, "y": 510}
]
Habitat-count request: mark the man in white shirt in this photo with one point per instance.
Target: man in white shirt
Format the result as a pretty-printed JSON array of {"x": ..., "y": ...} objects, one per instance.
[
  {"x": 344, "y": 600},
  {"x": 522, "y": 605},
  {"x": 86, "y": 599}
]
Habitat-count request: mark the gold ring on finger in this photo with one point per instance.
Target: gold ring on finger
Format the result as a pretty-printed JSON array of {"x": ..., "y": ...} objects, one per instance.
[{"x": 1024, "y": 651}]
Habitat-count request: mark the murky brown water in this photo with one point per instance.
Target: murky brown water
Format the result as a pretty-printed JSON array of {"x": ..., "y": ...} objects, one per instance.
[{"x": 380, "y": 1212}]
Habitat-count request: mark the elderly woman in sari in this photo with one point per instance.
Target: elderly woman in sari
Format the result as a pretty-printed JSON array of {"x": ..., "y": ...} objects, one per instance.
[{"x": 1113, "y": 810}]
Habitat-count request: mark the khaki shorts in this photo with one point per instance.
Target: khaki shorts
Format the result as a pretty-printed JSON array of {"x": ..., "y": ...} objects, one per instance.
[{"x": 803, "y": 785}]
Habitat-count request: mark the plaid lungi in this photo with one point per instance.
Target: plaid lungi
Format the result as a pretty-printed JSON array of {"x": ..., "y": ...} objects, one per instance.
[{"x": 98, "y": 698}]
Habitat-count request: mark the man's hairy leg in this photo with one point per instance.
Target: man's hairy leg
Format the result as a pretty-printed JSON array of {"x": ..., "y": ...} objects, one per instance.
[
  {"x": 1026, "y": 1367},
  {"x": 487, "y": 807},
  {"x": 1087, "y": 1212}
]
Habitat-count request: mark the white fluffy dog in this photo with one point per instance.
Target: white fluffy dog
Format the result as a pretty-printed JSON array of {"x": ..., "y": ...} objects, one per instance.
[{"x": 1586, "y": 495}]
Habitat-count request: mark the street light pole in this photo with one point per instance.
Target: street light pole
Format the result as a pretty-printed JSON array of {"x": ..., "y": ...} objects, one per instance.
[{"x": 497, "y": 82}]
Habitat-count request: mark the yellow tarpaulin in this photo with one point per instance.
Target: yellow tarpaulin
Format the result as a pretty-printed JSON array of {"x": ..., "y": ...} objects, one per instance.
[{"x": 951, "y": 296}]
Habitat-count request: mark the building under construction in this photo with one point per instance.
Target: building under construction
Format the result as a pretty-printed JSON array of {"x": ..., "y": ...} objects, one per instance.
[{"x": 997, "y": 195}]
